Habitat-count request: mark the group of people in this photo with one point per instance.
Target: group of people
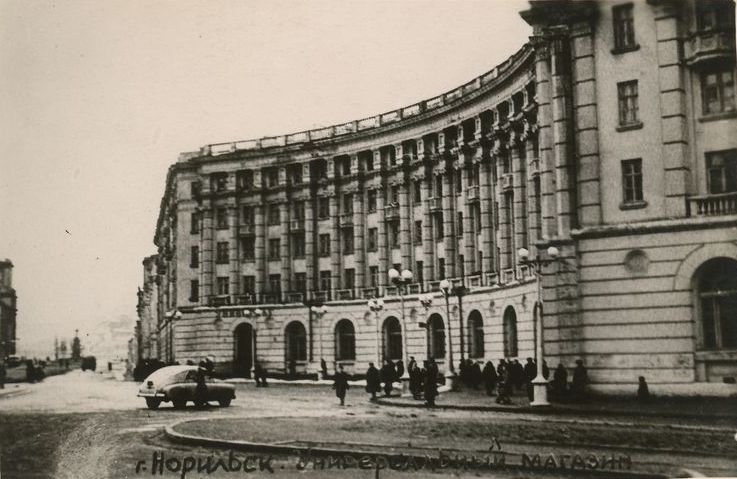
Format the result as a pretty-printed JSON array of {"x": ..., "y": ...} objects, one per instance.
[
  {"x": 509, "y": 376},
  {"x": 422, "y": 380}
]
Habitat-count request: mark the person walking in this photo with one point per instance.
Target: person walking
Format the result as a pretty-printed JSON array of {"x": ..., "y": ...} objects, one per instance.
[
  {"x": 388, "y": 374},
  {"x": 580, "y": 379},
  {"x": 476, "y": 377},
  {"x": 560, "y": 382},
  {"x": 200, "y": 391},
  {"x": 489, "y": 377},
  {"x": 373, "y": 383},
  {"x": 431, "y": 385},
  {"x": 517, "y": 375},
  {"x": 530, "y": 371},
  {"x": 415, "y": 380},
  {"x": 340, "y": 384}
]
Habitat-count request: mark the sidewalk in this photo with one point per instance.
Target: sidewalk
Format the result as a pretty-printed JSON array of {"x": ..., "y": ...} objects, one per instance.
[
  {"x": 13, "y": 389},
  {"x": 711, "y": 408}
]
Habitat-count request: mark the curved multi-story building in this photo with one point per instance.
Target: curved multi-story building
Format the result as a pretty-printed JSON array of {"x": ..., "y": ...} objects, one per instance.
[{"x": 610, "y": 136}]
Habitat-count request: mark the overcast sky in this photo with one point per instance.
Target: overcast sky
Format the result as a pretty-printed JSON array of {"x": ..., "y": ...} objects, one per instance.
[{"x": 97, "y": 98}]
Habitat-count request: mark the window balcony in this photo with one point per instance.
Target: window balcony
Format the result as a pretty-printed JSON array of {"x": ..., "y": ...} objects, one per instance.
[
  {"x": 344, "y": 294},
  {"x": 713, "y": 205},
  {"x": 707, "y": 46},
  {"x": 294, "y": 297},
  {"x": 414, "y": 288},
  {"x": 245, "y": 299},
  {"x": 297, "y": 224},
  {"x": 472, "y": 193},
  {"x": 271, "y": 298},
  {"x": 220, "y": 300},
  {"x": 247, "y": 229},
  {"x": 346, "y": 219},
  {"x": 368, "y": 293},
  {"x": 492, "y": 279},
  {"x": 474, "y": 280},
  {"x": 507, "y": 181},
  {"x": 323, "y": 296},
  {"x": 436, "y": 204},
  {"x": 391, "y": 211}
]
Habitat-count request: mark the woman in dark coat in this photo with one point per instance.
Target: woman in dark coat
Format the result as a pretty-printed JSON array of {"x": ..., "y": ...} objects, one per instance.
[
  {"x": 388, "y": 374},
  {"x": 373, "y": 383},
  {"x": 341, "y": 384},
  {"x": 489, "y": 377}
]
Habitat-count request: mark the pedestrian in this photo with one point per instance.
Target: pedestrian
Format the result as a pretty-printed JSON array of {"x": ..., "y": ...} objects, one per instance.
[
  {"x": 323, "y": 368},
  {"x": 518, "y": 375},
  {"x": 415, "y": 380},
  {"x": 431, "y": 386},
  {"x": 530, "y": 371},
  {"x": 373, "y": 383},
  {"x": 259, "y": 374},
  {"x": 476, "y": 378},
  {"x": 200, "y": 392},
  {"x": 505, "y": 384},
  {"x": 412, "y": 362},
  {"x": 340, "y": 384},
  {"x": 546, "y": 370},
  {"x": 580, "y": 379},
  {"x": 388, "y": 374},
  {"x": 560, "y": 382},
  {"x": 462, "y": 373},
  {"x": 489, "y": 378},
  {"x": 292, "y": 369},
  {"x": 3, "y": 374},
  {"x": 643, "y": 392},
  {"x": 400, "y": 370},
  {"x": 30, "y": 372}
]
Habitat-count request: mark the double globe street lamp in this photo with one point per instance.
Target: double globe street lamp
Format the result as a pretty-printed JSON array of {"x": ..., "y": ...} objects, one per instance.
[{"x": 540, "y": 384}]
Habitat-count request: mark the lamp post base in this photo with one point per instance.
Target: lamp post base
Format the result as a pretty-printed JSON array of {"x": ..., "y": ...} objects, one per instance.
[
  {"x": 540, "y": 393},
  {"x": 452, "y": 380}
]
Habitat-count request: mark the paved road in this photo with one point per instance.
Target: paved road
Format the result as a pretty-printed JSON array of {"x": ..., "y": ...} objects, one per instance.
[{"x": 85, "y": 425}]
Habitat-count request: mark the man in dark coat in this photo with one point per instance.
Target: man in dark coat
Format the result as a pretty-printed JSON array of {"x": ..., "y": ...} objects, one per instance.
[
  {"x": 388, "y": 374},
  {"x": 518, "y": 375},
  {"x": 431, "y": 385},
  {"x": 530, "y": 371},
  {"x": 415, "y": 380},
  {"x": 580, "y": 379},
  {"x": 476, "y": 375},
  {"x": 373, "y": 383},
  {"x": 560, "y": 382},
  {"x": 489, "y": 377},
  {"x": 340, "y": 384},
  {"x": 505, "y": 384},
  {"x": 200, "y": 391}
]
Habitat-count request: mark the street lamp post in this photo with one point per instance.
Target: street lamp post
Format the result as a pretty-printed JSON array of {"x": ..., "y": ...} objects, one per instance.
[
  {"x": 540, "y": 384},
  {"x": 316, "y": 309},
  {"x": 376, "y": 305},
  {"x": 401, "y": 280},
  {"x": 445, "y": 287}
]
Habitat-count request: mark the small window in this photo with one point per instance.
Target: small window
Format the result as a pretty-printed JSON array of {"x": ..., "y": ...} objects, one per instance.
[
  {"x": 439, "y": 226},
  {"x": 248, "y": 215},
  {"x": 194, "y": 224},
  {"x": 221, "y": 218},
  {"x": 459, "y": 225},
  {"x": 394, "y": 234},
  {"x": 325, "y": 284},
  {"x": 298, "y": 248},
  {"x": 222, "y": 252},
  {"x": 624, "y": 28},
  {"x": 632, "y": 181},
  {"x": 249, "y": 284},
  {"x": 371, "y": 200},
  {"x": 223, "y": 287},
  {"x": 372, "y": 242},
  {"x": 418, "y": 231},
  {"x": 348, "y": 241},
  {"x": 275, "y": 283},
  {"x": 374, "y": 276},
  {"x": 219, "y": 182},
  {"x": 300, "y": 282},
  {"x": 717, "y": 91},
  {"x": 274, "y": 213},
  {"x": 324, "y": 241},
  {"x": 274, "y": 246},
  {"x": 194, "y": 261},
  {"x": 323, "y": 207},
  {"x": 194, "y": 291},
  {"x": 349, "y": 278},
  {"x": 628, "y": 107},
  {"x": 417, "y": 192},
  {"x": 347, "y": 204},
  {"x": 248, "y": 246},
  {"x": 721, "y": 171}
]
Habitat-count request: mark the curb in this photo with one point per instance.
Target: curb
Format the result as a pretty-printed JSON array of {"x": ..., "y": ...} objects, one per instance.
[
  {"x": 13, "y": 392},
  {"x": 282, "y": 449},
  {"x": 553, "y": 410}
]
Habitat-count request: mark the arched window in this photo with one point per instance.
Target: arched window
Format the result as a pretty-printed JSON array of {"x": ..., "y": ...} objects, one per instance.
[
  {"x": 392, "y": 339},
  {"x": 345, "y": 340},
  {"x": 717, "y": 296},
  {"x": 296, "y": 341},
  {"x": 435, "y": 337},
  {"x": 510, "y": 333},
  {"x": 475, "y": 334}
]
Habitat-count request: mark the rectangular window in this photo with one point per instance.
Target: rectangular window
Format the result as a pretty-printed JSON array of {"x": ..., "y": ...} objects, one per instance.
[
  {"x": 323, "y": 207},
  {"x": 459, "y": 182},
  {"x": 325, "y": 281},
  {"x": 194, "y": 227},
  {"x": 296, "y": 174},
  {"x": 324, "y": 243},
  {"x": 418, "y": 231},
  {"x": 624, "y": 28},
  {"x": 195, "y": 188},
  {"x": 275, "y": 283},
  {"x": 372, "y": 240},
  {"x": 348, "y": 203},
  {"x": 298, "y": 242},
  {"x": 632, "y": 181},
  {"x": 194, "y": 261},
  {"x": 221, "y": 218},
  {"x": 459, "y": 225},
  {"x": 249, "y": 285},
  {"x": 349, "y": 278},
  {"x": 394, "y": 194},
  {"x": 300, "y": 282},
  {"x": 717, "y": 91},
  {"x": 417, "y": 192},
  {"x": 299, "y": 210},
  {"x": 222, "y": 285},
  {"x": 272, "y": 177},
  {"x": 419, "y": 278},
  {"x": 369, "y": 162},
  {"x": 244, "y": 180},
  {"x": 628, "y": 108},
  {"x": 393, "y": 234},
  {"x": 721, "y": 171},
  {"x": 346, "y": 166},
  {"x": 248, "y": 246},
  {"x": 348, "y": 241},
  {"x": 221, "y": 256},
  {"x": 438, "y": 226},
  {"x": 274, "y": 213},
  {"x": 441, "y": 268},
  {"x": 194, "y": 291},
  {"x": 219, "y": 182},
  {"x": 374, "y": 276},
  {"x": 248, "y": 215},
  {"x": 274, "y": 247},
  {"x": 371, "y": 201}
]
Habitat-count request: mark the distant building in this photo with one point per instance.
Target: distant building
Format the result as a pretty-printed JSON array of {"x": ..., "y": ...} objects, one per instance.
[
  {"x": 8, "y": 310},
  {"x": 148, "y": 310},
  {"x": 609, "y": 136}
]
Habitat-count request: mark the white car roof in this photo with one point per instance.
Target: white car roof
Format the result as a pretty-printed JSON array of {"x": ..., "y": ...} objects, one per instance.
[{"x": 168, "y": 371}]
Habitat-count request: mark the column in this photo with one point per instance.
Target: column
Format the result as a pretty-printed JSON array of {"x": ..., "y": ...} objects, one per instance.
[
  {"x": 207, "y": 235},
  {"x": 469, "y": 239},
  {"x": 449, "y": 239},
  {"x": 533, "y": 225},
  {"x": 504, "y": 232},
  {"x": 561, "y": 134},
  {"x": 310, "y": 256},
  {"x": 335, "y": 253},
  {"x": 383, "y": 250},
  {"x": 405, "y": 238},
  {"x": 359, "y": 232},
  {"x": 234, "y": 260},
  {"x": 519, "y": 180},
  {"x": 284, "y": 252},
  {"x": 259, "y": 252},
  {"x": 428, "y": 239},
  {"x": 486, "y": 204},
  {"x": 545, "y": 137}
]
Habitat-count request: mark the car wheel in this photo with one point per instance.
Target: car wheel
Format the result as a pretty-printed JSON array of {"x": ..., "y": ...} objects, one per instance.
[
  {"x": 224, "y": 402},
  {"x": 179, "y": 404},
  {"x": 153, "y": 403}
]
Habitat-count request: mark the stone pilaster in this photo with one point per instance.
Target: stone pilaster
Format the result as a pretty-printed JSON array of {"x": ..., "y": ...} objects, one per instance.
[
  {"x": 486, "y": 204},
  {"x": 449, "y": 233},
  {"x": 519, "y": 180},
  {"x": 206, "y": 252},
  {"x": 560, "y": 101},
  {"x": 310, "y": 253},
  {"x": 428, "y": 238},
  {"x": 335, "y": 252},
  {"x": 504, "y": 226},
  {"x": 533, "y": 203},
  {"x": 469, "y": 236},
  {"x": 545, "y": 137},
  {"x": 259, "y": 252},
  {"x": 234, "y": 259},
  {"x": 383, "y": 249},
  {"x": 405, "y": 232},
  {"x": 284, "y": 250},
  {"x": 359, "y": 232}
]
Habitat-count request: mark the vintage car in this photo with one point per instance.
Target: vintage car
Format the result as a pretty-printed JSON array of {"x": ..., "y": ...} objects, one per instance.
[{"x": 178, "y": 383}]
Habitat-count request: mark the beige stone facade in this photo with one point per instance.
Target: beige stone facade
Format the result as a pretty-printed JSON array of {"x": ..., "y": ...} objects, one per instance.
[{"x": 610, "y": 136}]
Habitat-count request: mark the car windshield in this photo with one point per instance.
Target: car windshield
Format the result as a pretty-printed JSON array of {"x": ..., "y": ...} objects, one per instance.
[{"x": 169, "y": 374}]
